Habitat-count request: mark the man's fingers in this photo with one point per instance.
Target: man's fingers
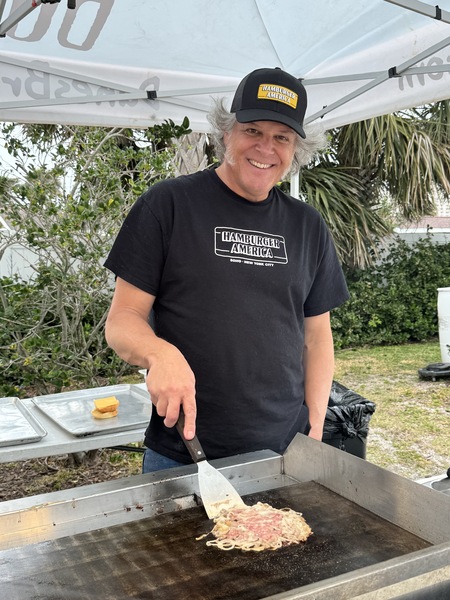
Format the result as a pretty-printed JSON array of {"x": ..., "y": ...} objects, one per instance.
[
  {"x": 171, "y": 412},
  {"x": 161, "y": 406},
  {"x": 190, "y": 414}
]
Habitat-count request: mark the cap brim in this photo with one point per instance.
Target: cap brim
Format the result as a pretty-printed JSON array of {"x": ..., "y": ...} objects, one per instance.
[{"x": 258, "y": 114}]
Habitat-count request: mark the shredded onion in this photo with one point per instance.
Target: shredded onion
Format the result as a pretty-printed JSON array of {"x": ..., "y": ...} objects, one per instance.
[{"x": 258, "y": 527}]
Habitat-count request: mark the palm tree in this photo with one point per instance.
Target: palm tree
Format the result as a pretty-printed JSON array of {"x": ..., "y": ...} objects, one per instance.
[{"x": 378, "y": 169}]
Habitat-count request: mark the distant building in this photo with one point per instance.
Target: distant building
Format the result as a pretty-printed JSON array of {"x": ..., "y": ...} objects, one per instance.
[{"x": 438, "y": 227}]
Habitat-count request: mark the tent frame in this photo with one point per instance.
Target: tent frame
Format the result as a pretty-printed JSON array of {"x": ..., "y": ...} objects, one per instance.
[
  {"x": 114, "y": 91},
  {"x": 123, "y": 92}
]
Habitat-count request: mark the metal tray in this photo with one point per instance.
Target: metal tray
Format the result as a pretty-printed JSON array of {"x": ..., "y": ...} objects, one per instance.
[
  {"x": 17, "y": 424},
  {"x": 72, "y": 410}
]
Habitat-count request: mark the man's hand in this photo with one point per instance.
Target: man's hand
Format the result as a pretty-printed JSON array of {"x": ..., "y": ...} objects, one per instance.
[
  {"x": 171, "y": 384},
  {"x": 316, "y": 433}
]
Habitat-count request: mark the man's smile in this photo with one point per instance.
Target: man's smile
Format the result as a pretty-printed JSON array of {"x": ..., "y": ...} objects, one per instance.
[{"x": 258, "y": 164}]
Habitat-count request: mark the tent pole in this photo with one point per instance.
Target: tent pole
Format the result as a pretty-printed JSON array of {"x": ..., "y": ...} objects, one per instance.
[
  {"x": 295, "y": 187},
  {"x": 393, "y": 72},
  {"x": 2, "y": 8},
  {"x": 435, "y": 12},
  {"x": 19, "y": 14}
]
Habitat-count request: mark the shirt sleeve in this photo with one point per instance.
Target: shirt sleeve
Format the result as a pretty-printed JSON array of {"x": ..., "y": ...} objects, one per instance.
[
  {"x": 329, "y": 288},
  {"x": 138, "y": 253}
]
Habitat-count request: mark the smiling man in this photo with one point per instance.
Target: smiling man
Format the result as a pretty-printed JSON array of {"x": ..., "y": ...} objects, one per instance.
[{"x": 224, "y": 286}]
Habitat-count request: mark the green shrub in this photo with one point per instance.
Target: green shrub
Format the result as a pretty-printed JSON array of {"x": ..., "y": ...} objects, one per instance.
[
  {"x": 46, "y": 345},
  {"x": 394, "y": 301}
]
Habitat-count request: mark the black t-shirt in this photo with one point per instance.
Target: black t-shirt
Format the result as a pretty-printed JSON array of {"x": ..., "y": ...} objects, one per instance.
[{"x": 233, "y": 282}]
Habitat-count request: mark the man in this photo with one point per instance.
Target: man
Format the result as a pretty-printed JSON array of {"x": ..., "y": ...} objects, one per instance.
[{"x": 239, "y": 279}]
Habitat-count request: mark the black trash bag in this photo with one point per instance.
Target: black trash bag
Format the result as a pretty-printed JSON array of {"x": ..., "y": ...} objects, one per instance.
[{"x": 348, "y": 414}]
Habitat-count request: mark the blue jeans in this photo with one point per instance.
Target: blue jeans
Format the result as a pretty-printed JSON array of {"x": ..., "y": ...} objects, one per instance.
[{"x": 152, "y": 461}]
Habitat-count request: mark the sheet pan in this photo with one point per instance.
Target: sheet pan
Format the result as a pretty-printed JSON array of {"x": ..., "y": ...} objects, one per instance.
[
  {"x": 17, "y": 424},
  {"x": 72, "y": 410}
]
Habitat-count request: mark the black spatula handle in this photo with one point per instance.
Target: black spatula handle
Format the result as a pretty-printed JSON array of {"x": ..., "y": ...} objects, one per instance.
[{"x": 194, "y": 447}]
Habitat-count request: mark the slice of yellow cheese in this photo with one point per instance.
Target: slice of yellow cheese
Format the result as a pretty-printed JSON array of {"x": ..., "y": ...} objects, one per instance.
[{"x": 109, "y": 404}]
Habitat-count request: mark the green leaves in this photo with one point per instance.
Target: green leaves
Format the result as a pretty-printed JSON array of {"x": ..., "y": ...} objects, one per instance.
[
  {"x": 339, "y": 196},
  {"x": 381, "y": 170},
  {"x": 395, "y": 300}
]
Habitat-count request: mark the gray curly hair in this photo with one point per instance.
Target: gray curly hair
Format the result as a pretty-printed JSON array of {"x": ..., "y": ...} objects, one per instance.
[{"x": 223, "y": 121}]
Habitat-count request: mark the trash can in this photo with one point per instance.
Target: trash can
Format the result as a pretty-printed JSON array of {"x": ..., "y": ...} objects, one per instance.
[{"x": 347, "y": 420}]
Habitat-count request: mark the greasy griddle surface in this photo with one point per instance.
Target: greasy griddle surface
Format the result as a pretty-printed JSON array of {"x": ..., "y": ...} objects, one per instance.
[{"x": 159, "y": 557}]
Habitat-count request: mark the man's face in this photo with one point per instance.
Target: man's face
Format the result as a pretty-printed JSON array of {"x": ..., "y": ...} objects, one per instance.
[{"x": 258, "y": 155}]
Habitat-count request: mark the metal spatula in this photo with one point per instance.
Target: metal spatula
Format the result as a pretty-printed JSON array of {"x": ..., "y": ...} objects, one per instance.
[{"x": 215, "y": 489}]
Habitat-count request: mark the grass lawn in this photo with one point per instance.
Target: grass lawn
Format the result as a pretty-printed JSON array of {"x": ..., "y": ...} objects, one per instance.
[{"x": 409, "y": 432}]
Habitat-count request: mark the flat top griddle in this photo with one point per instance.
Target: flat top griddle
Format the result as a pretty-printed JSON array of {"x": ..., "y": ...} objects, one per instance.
[{"x": 159, "y": 558}]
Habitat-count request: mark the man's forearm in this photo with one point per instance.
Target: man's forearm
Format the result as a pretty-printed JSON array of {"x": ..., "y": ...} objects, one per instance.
[
  {"x": 132, "y": 338},
  {"x": 318, "y": 380},
  {"x": 318, "y": 363},
  {"x": 170, "y": 382}
]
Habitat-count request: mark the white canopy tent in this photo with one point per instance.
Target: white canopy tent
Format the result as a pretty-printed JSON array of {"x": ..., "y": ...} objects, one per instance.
[{"x": 139, "y": 62}]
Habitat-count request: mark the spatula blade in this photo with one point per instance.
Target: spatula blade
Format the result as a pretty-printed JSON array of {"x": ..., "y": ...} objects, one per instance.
[{"x": 215, "y": 490}]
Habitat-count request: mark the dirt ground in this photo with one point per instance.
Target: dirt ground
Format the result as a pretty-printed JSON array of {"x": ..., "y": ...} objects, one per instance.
[{"x": 39, "y": 476}]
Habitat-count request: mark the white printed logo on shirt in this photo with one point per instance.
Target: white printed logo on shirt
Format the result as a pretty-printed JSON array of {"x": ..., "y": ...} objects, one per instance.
[{"x": 254, "y": 246}]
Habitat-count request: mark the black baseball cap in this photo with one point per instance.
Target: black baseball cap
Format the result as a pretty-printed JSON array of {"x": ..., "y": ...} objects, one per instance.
[{"x": 271, "y": 95}]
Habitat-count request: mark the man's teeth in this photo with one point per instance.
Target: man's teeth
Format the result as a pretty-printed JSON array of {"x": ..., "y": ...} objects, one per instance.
[{"x": 259, "y": 165}]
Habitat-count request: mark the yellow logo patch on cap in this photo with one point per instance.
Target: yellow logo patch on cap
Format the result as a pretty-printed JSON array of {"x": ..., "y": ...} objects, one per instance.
[{"x": 267, "y": 91}]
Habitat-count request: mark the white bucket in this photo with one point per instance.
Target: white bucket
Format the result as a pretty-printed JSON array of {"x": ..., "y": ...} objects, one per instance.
[{"x": 444, "y": 323}]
